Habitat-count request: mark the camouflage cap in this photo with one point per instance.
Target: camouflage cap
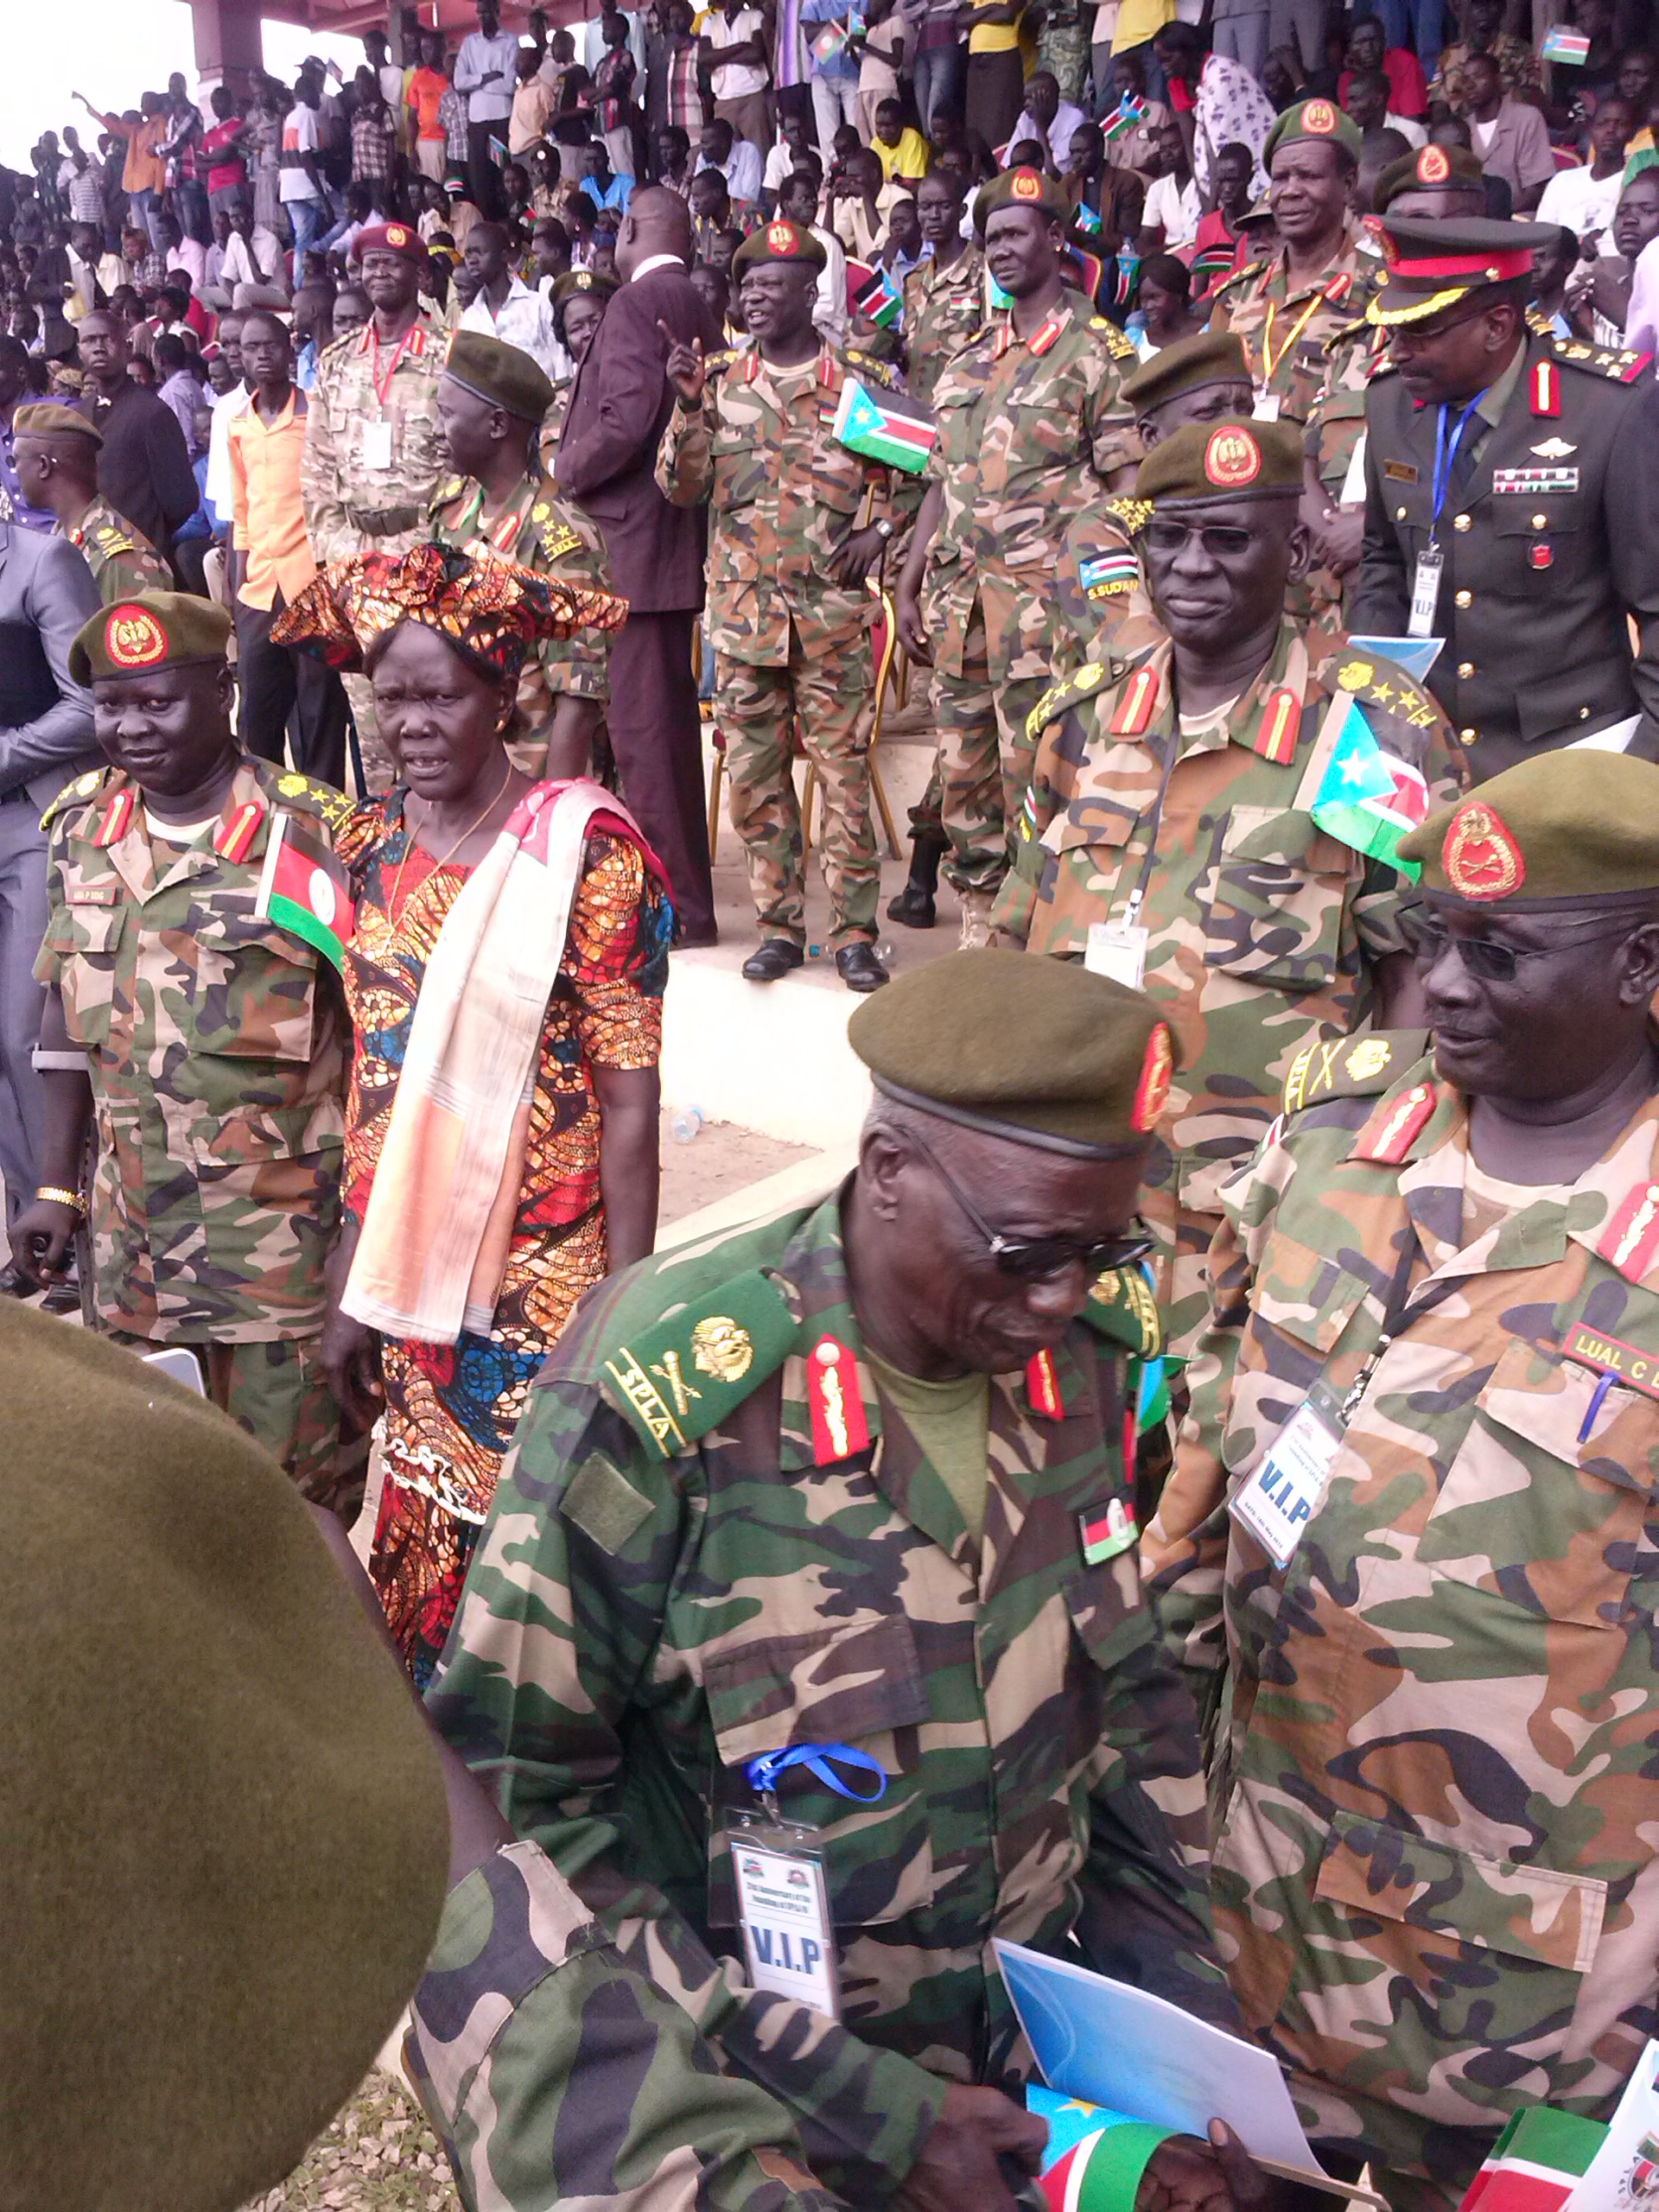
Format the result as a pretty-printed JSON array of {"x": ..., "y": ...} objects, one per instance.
[
  {"x": 1037, "y": 1051},
  {"x": 500, "y": 374},
  {"x": 779, "y": 241},
  {"x": 1429, "y": 168},
  {"x": 1551, "y": 832},
  {"x": 1321, "y": 121},
  {"x": 1221, "y": 461},
  {"x": 49, "y": 418},
  {"x": 1021, "y": 188},
  {"x": 1210, "y": 357},
  {"x": 158, "y": 629},
  {"x": 391, "y": 238},
  {"x": 224, "y": 1870}
]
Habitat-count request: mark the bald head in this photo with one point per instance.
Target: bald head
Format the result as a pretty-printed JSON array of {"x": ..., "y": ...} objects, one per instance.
[{"x": 656, "y": 221}]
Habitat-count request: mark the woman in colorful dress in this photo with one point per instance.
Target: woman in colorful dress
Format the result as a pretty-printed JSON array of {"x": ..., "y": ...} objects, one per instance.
[{"x": 505, "y": 975}]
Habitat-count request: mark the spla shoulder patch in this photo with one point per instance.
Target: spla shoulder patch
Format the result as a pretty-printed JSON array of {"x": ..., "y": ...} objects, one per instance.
[{"x": 678, "y": 1379}]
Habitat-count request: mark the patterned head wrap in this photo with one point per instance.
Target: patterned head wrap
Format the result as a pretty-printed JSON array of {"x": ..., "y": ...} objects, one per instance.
[{"x": 491, "y": 611}]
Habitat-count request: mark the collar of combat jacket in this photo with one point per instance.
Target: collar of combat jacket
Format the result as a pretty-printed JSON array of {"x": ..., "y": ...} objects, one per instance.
[
  {"x": 120, "y": 831},
  {"x": 1267, "y": 719}
]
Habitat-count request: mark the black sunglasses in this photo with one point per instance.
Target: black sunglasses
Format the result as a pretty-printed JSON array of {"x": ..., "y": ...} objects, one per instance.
[
  {"x": 1224, "y": 541},
  {"x": 1031, "y": 1258},
  {"x": 1426, "y": 939}
]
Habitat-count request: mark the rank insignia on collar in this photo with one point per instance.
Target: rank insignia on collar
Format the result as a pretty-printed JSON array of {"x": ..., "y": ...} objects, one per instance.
[
  {"x": 232, "y": 838},
  {"x": 1043, "y": 1388},
  {"x": 1276, "y": 733},
  {"x": 1394, "y": 1128},
  {"x": 1108, "y": 1530},
  {"x": 1546, "y": 389},
  {"x": 1134, "y": 709},
  {"x": 1631, "y": 1239},
  {"x": 117, "y": 815},
  {"x": 835, "y": 1402}
]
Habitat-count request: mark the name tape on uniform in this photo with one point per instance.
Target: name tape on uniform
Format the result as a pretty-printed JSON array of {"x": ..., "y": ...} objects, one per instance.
[{"x": 1611, "y": 1356}]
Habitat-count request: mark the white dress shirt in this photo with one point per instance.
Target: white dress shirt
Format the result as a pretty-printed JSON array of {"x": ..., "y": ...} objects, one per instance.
[
  {"x": 491, "y": 102},
  {"x": 525, "y": 320},
  {"x": 221, "y": 490}
]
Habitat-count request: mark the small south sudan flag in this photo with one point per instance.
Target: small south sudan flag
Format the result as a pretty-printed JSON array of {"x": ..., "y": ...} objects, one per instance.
[
  {"x": 305, "y": 890},
  {"x": 1109, "y": 572},
  {"x": 1129, "y": 112},
  {"x": 885, "y": 425},
  {"x": 873, "y": 293}
]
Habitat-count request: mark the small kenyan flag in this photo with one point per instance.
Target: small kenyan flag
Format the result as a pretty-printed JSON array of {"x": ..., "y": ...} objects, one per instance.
[{"x": 305, "y": 890}]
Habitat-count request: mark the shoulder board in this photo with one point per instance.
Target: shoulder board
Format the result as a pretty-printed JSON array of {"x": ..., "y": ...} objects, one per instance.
[
  {"x": 1539, "y": 324},
  {"x": 559, "y": 538},
  {"x": 110, "y": 540},
  {"x": 1112, "y": 338},
  {"x": 307, "y": 795},
  {"x": 1059, "y": 696},
  {"x": 339, "y": 348},
  {"x": 716, "y": 365},
  {"x": 1617, "y": 366},
  {"x": 675, "y": 1381},
  {"x": 1240, "y": 276},
  {"x": 78, "y": 792},
  {"x": 1352, "y": 1067},
  {"x": 1374, "y": 683},
  {"x": 1134, "y": 514},
  {"x": 1345, "y": 334},
  {"x": 451, "y": 488},
  {"x": 869, "y": 370},
  {"x": 1121, "y": 1305}
]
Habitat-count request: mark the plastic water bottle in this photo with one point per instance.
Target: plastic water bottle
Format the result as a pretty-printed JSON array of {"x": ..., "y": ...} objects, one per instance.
[
  {"x": 815, "y": 952},
  {"x": 684, "y": 1122}
]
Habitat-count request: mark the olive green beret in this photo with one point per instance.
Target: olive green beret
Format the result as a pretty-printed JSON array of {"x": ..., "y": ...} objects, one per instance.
[
  {"x": 1429, "y": 169},
  {"x": 595, "y": 284},
  {"x": 503, "y": 375},
  {"x": 1021, "y": 188},
  {"x": 1319, "y": 120},
  {"x": 158, "y": 629},
  {"x": 49, "y": 418},
  {"x": 226, "y": 1847},
  {"x": 779, "y": 241},
  {"x": 1565, "y": 827},
  {"x": 1022, "y": 1046},
  {"x": 1210, "y": 357},
  {"x": 1221, "y": 461}
]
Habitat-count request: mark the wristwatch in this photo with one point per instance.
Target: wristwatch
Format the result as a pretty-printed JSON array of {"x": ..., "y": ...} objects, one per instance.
[{"x": 884, "y": 529}]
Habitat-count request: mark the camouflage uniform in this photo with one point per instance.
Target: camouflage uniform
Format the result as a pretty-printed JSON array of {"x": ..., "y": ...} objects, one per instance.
[
  {"x": 786, "y": 495},
  {"x": 122, "y": 560},
  {"x": 1264, "y": 928},
  {"x": 1437, "y": 1871},
  {"x": 555, "y": 2073},
  {"x": 1284, "y": 332},
  {"x": 217, "y": 1050},
  {"x": 1098, "y": 583},
  {"x": 352, "y": 507},
  {"x": 944, "y": 308},
  {"x": 1028, "y": 430},
  {"x": 699, "y": 1552},
  {"x": 542, "y": 531}
]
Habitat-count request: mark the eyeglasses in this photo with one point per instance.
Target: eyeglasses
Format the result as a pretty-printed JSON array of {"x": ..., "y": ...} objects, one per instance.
[
  {"x": 1426, "y": 939},
  {"x": 1033, "y": 1258},
  {"x": 1224, "y": 541}
]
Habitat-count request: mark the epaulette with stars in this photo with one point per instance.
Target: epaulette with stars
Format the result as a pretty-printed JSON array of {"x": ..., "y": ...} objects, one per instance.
[
  {"x": 869, "y": 370},
  {"x": 110, "y": 541},
  {"x": 77, "y": 792},
  {"x": 1060, "y": 697},
  {"x": 1112, "y": 338},
  {"x": 1618, "y": 365},
  {"x": 1351, "y": 1067},
  {"x": 715, "y": 365},
  {"x": 1387, "y": 689},
  {"x": 558, "y": 536},
  {"x": 304, "y": 791}
]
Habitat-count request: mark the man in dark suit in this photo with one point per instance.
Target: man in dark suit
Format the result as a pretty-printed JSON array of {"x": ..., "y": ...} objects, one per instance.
[
  {"x": 144, "y": 468},
  {"x": 45, "y": 738},
  {"x": 606, "y": 460}
]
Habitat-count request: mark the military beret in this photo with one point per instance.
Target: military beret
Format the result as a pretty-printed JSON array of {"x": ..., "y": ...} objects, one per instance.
[
  {"x": 1221, "y": 461},
  {"x": 158, "y": 629},
  {"x": 778, "y": 241},
  {"x": 391, "y": 237},
  {"x": 225, "y": 1836},
  {"x": 1563, "y": 829},
  {"x": 1036, "y": 1050},
  {"x": 503, "y": 375},
  {"x": 47, "y": 418},
  {"x": 1429, "y": 169},
  {"x": 595, "y": 284},
  {"x": 1021, "y": 188},
  {"x": 1321, "y": 121},
  {"x": 1430, "y": 265},
  {"x": 1210, "y": 357}
]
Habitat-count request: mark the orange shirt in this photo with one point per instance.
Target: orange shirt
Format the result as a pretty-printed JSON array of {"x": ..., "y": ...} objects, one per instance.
[
  {"x": 426, "y": 88},
  {"x": 270, "y": 523},
  {"x": 144, "y": 170}
]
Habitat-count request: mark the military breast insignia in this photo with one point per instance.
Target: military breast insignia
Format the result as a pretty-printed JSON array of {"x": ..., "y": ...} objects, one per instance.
[
  {"x": 1156, "y": 1070},
  {"x": 721, "y": 1348},
  {"x": 1109, "y": 1529},
  {"x": 133, "y": 638},
  {"x": 835, "y": 1402},
  {"x": 1612, "y": 1355},
  {"x": 1481, "y": 859}
]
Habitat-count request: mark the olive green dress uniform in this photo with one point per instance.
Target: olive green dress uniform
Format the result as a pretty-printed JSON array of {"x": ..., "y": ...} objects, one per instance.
[
  {"x": 1550, "y": 539},
  {"x": 122, "y": 560}
]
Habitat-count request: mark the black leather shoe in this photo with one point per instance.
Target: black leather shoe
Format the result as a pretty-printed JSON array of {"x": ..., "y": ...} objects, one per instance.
[
  {"x": 774, "y": 958},
  {"x": 859, "y": 969}
]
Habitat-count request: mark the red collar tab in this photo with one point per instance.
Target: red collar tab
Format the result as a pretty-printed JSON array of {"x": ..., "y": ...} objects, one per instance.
[
  {"x": 1276, "y": 732},
  {"x": 232, "y": 838},
  {"x": 1631, "y": 1239},
  {"x": 1545, "y": 389},
  {"x": 836, "y": 1404},
  {"x": 750, "y": 367},
  {"x": 117, "y": 815},
  {"x": 1339, "y": 287},
  {"x": 1043, "y": 1388},
  {"x": 1003, "y": 341},
  {"x": 1040, "y": 340},
  {"x": 1135, "y": 706},
  {"x": 1393, "y": 1129}
]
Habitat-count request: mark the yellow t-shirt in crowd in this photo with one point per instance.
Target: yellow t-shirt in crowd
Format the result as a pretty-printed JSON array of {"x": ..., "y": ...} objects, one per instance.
[
  {"x": 908, "y": 158},
  {"x": 992, "y": 38}
]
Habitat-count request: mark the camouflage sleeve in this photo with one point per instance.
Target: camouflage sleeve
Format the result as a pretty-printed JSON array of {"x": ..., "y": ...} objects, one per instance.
[
  {"x": 321, "y": 497},
  {"x": 554, "y": 2072},
  {"x": 1113, "y": 441},
  {"x": 685, "y": 468},
  {"x": 560, "y": 1624},
  {"x": 579, "y": 667},
  {"x": 59, "y": 942}
]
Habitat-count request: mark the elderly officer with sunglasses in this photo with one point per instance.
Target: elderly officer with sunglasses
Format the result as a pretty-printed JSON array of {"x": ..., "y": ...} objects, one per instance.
[
  {"x": 828, "y": 1521},
  {"x": 1173, "y": 835},
  {"x": 1425, "y": 1611}
]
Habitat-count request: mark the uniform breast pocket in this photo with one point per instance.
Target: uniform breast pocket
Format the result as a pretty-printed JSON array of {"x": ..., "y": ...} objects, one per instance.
[
  {"x": 1545, "y": 1502},
  {"x": 860, "y": 1685},
  {"x": 254, "y": 997},
  {"x": 1275, "y": 899},
  {"x": 1535, "y": 538},
  {"x": 739, "y": 466},
  {"x": 87, "y": 939},
  {"x": 838, "y": 481}
]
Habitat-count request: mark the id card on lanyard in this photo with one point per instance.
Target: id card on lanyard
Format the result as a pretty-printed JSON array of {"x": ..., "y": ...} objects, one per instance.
[
  {"x": 783, "y": 1900},
  {"x": 1431, "y": 562}
]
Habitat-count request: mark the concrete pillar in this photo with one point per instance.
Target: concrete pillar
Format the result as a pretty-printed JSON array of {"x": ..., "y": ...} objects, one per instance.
[{"x": 227, "y": 43}]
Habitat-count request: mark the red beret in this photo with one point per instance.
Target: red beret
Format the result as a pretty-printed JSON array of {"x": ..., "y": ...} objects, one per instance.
[{"x": 391, "y": 237}]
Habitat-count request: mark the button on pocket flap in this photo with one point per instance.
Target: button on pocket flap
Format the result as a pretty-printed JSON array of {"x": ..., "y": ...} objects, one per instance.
[
  {"x": 1547, "y": 1400},
  {"x": 1306, "y": 1294},
  {"x": 837, "y": 1688},
  {"x": 1517, "y": 514},
  {"x": 1526, "y": 1912}
]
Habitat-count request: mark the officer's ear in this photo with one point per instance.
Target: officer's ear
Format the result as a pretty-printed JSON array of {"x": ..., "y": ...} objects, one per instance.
[
  {"x": 1301, "y": 553},
  {"x": 224, "y": 690},
  {"x": 1638, "y": 958}
]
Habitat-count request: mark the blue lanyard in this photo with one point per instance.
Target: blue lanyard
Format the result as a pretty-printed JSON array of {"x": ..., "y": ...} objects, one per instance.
[
  {"x": 1445, "y": 455},
  {"x": 762, "y": 1773}
]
